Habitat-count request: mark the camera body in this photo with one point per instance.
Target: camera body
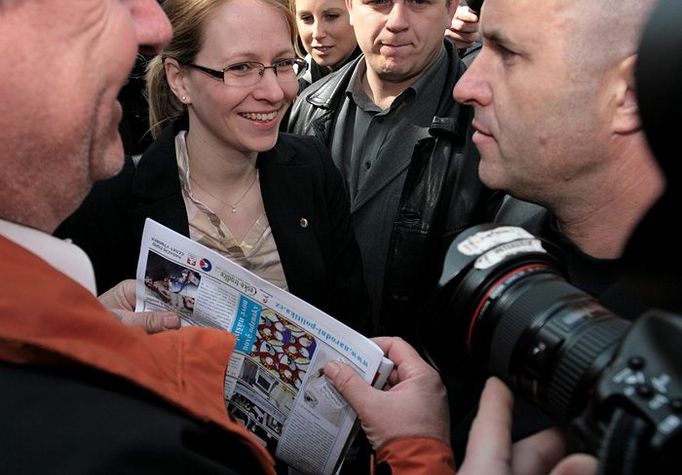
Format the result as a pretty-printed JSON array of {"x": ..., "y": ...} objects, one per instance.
[
  {"x": 644, "y": 381},
  {"x": 503, "y": 296}
]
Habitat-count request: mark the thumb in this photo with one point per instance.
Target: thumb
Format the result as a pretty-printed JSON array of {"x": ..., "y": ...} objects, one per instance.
[
  {"x": 152, "y": 322},
  {"x": 128, "y": 291},
  {"x": 467, "y": 14},
  {"x": 576, "y": 464},
  {"x": 351, "y": 386}
]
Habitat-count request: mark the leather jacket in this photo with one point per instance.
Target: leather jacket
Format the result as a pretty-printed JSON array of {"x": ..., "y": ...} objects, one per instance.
[{"x": 442, "y": 194}]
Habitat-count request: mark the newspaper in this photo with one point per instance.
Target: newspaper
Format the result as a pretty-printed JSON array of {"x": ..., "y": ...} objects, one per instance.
[{"x": 275, "y": 384}]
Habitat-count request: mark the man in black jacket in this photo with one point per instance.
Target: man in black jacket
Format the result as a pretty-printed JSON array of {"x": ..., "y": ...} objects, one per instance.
[{"x": 401, "y": 143}]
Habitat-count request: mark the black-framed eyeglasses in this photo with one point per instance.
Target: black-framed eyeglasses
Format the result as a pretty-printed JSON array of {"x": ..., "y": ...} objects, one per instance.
[{"x": 250, "y": 72}]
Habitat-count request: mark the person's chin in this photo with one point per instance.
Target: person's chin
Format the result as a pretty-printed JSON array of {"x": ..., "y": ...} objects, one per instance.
[
  {"x": 326, "y": 61},
  {"x": 109, "y": 161},
  {"x": 107, "y": 152},
  {"x": 395, "y": 69},
  {"x": 490, "y": 174},
  {"x": 262, "y": 143},
  {"x": 266, "y": 145},
  {"x": 395, "y": 75}
]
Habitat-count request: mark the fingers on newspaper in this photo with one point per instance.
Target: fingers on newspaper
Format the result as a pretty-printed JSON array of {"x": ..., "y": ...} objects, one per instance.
[{"x": 275, "y": 383}]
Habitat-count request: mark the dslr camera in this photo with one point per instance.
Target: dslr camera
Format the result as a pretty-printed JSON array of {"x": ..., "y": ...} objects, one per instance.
[{"x": 616, "y": 384}]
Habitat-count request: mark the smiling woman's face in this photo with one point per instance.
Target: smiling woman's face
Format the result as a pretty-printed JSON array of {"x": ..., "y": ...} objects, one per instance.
[
  {"x": 245, "y": 119},
  {"x": 325, "y": 31}
]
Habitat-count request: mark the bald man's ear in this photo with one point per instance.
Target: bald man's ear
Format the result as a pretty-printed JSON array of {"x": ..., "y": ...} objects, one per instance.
[{"x": 626, "y": 118}]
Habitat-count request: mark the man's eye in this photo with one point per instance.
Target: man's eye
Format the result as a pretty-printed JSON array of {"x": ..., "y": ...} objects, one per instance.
[{"x": 506, "y": 54}]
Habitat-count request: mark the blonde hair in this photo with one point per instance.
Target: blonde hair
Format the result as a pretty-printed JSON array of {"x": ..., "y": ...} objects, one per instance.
[
  {"x": 298, "y": 45},
  {"x": 187, "y": 17}
]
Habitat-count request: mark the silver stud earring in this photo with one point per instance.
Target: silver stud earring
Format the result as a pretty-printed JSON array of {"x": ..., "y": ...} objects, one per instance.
[{"x": 184, "y": 99}]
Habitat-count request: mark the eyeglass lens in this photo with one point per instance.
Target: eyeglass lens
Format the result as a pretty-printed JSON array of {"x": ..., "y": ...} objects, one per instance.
[{"x": 249, "y": 73}]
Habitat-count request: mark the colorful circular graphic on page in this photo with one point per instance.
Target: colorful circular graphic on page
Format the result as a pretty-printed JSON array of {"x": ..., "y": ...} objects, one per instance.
[{"x": 283, "y": 347}]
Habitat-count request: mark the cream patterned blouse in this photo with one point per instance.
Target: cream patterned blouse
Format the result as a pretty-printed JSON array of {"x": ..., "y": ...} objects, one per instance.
[{"x": 257, "y": 252}]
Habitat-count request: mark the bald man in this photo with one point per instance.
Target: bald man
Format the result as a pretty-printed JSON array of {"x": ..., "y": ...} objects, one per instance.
[{"x": 557, "y": 124}]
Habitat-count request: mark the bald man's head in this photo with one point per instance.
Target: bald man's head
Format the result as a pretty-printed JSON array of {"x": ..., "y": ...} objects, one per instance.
[{"x": 604, "y": 31}]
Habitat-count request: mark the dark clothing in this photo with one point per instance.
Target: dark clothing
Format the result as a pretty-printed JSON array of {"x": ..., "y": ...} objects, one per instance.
[
  {"x": 603, "y": 279},
  {"x": 78, "y": 421},
  {"x": 372, "y": 148},
  {"x": 316, "y": 72},
  {"x": 600, "y": 278},
  {"x": 652, "y": 255},
  {"x": 321, "y": 260},
  {"x": 645, "y": 277},
  {"x": 134, "y": 125},
  {"x": 597, "y": 277},
  {"x": 441, "y": 195}
]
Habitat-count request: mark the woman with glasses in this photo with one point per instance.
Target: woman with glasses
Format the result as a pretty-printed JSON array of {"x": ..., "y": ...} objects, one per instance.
[{"x": 220, "y": 172}]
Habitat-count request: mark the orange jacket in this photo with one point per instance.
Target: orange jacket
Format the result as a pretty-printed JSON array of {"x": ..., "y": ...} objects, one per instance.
[
  {"x": 48, "y": 319},
  {"x": 418, "y": 456}
]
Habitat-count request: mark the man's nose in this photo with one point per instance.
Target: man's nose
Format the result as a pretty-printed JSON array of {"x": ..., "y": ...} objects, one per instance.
[{"x": 152, "y": 27}]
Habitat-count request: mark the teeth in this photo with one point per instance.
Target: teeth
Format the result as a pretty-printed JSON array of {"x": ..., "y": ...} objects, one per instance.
[{"x": 261, "y": 117}]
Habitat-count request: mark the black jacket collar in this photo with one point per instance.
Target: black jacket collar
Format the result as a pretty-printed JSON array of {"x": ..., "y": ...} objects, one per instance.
[{"x": 156, "y": 176}]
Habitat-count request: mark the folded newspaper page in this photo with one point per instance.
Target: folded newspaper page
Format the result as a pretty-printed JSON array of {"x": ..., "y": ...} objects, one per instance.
[{"x": 275, "y": 384}]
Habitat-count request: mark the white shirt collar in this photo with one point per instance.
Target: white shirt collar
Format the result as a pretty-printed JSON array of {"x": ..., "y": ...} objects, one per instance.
[{"x": 62, "y": 255}]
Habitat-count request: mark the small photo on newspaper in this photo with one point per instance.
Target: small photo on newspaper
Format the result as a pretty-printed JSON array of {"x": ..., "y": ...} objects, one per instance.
[{"x": 275, "y": 384}]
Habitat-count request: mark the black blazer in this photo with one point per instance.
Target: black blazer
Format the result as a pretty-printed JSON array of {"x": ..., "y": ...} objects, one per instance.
[
  {"x": 66, "y": 419},
  {"x": 304, "y": 199}
]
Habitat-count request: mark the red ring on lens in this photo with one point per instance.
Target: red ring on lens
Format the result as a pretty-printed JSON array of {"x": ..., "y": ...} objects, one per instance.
[{"x": 502, "y": 280}]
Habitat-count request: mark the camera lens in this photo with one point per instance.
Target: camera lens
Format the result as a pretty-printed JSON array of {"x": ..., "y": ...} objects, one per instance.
[{"x": 503, "y": 298}]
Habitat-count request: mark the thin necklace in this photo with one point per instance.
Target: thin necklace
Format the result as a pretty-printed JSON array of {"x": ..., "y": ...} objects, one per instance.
[{"x": 236, "y": 203}]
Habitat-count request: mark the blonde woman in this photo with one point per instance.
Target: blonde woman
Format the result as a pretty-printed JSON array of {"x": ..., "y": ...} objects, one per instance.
[{"x": 325, "y": 32}]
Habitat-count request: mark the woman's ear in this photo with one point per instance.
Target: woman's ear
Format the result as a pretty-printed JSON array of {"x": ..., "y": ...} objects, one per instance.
[
  {"x": 626, "y": 118},
  {"x": 176, "y": 80}
]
